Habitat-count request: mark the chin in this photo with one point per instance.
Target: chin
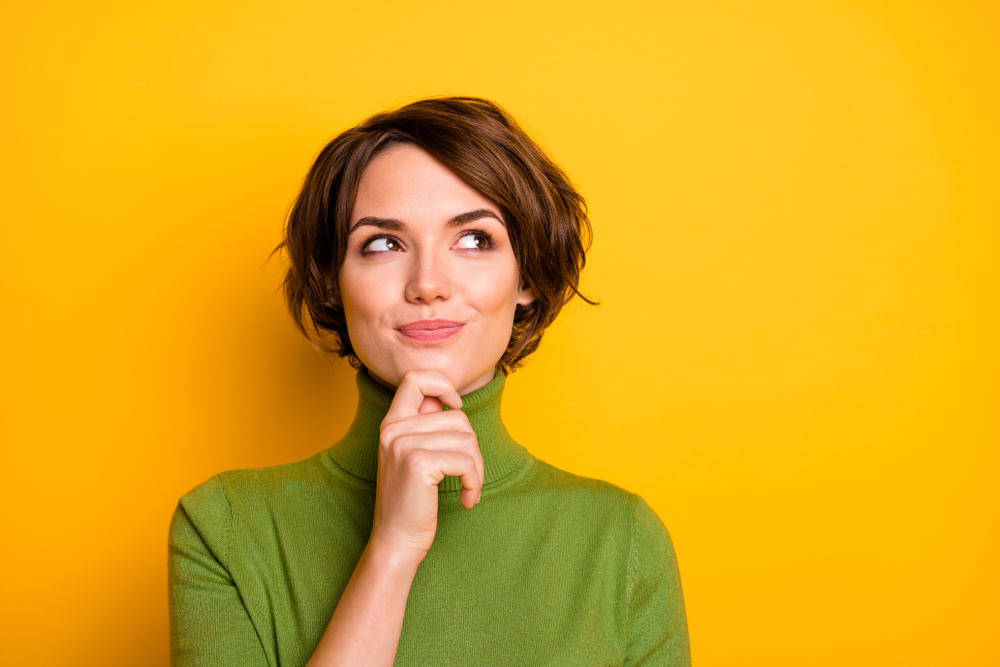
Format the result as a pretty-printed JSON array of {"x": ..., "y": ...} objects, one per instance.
[
  {"x": 450, "y": 365},
  {"x": 459, "y": 375}
]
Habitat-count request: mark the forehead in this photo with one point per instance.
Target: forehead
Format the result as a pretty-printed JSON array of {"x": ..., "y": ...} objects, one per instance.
[{"x": 408, "y": 183}]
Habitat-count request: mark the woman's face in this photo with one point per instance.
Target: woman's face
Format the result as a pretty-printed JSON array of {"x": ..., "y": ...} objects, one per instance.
[{"x": 430, "y": 280}]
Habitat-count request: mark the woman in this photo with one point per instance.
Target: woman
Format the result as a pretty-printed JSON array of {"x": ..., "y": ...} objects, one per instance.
[{"x": 432, "y": 246}]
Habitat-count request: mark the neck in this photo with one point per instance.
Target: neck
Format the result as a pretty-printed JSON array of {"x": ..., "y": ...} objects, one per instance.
[{"x": 357, "y": 451}]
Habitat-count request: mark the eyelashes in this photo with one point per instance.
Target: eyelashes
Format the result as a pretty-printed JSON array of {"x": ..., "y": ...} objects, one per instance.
[
  {"x": 472, "y": 239},
  {"x": 480, "y": 240},
  {"x": 380, "y": 243}
]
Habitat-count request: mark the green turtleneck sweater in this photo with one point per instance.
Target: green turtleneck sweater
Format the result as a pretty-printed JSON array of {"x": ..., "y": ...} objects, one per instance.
[{"x": 549, "y": 569}]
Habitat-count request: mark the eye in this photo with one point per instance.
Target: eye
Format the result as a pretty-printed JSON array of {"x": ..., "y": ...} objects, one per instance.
[
  {"x": 382, "y": 244},
  {"x": 475, "y": 241}
]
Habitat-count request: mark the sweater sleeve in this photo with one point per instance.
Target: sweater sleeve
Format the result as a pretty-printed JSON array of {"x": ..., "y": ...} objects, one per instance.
[
  {"x": 656, "y": 633},
  {"x": 209, "y": 625}
]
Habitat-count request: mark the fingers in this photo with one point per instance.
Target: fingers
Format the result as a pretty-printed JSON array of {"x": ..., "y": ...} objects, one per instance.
[
  {"x": 419, "y": 437},
  {"x": 415, "y": 387},
  {"x": 434, "y": 465},
  {"x": 431, "y": 422},
  {"x": 437, "y": 425},
  {"x": 430, "y": 404},
  {"x": 412, "y": 448}
]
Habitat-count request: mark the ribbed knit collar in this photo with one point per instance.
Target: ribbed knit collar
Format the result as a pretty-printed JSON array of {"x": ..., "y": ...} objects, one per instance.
[{"x": 357, "y": 451}]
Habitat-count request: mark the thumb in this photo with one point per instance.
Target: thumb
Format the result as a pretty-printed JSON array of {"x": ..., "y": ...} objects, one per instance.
[{"x": 430, "y": 404}]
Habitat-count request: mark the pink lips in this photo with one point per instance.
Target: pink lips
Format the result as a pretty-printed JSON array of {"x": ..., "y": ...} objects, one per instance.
[{"x": 430, "y": 331}]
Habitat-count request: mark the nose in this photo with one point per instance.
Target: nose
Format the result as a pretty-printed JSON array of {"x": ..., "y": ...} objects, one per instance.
[{"x": 429, "y": 279}]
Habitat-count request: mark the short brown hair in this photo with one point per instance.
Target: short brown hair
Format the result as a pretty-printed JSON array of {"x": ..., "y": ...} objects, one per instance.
[{"x": 545, "y": 217}]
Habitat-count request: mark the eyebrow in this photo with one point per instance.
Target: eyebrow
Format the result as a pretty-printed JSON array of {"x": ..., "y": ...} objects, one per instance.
[{"x": 396, "y": 225}]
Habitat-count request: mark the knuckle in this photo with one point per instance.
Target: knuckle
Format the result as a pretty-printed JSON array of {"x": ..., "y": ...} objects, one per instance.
[
  {"x": 416, "y": 459},
  {"x": 388, "y": 435},
  {"x": 404, "y": 440},
  {"x": 414, "y": 376},
  {"x": 460, "y": 418}
]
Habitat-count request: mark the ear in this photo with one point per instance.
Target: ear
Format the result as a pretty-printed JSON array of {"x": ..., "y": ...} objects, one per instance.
[{"x": 526, "y": 296}]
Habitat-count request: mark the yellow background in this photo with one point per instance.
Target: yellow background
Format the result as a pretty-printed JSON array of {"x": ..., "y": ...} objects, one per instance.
[{"x": 796, "y": 362}]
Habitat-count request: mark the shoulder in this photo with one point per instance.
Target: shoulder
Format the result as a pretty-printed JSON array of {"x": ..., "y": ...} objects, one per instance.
[
  {"x": 565, "y": 486},
  {"x": 604, "y": 506},
  {"x": 214, "y": 502},
  {"x": 234, "y": 501},
  {"x": 652, "y": 549}
]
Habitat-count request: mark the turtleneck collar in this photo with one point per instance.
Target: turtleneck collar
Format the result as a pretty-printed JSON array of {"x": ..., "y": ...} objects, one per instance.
[{"x": 357, "y": 451}]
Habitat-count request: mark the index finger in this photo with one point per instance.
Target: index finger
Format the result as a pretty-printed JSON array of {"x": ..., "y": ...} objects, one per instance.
[{"x": 417, "y": 385}]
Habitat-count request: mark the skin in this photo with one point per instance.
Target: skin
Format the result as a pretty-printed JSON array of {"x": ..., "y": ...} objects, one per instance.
[{"x": 423, "y": 245}]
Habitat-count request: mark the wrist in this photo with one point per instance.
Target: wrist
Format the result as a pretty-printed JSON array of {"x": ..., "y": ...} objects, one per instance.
[{"x": 392, "y": 556}]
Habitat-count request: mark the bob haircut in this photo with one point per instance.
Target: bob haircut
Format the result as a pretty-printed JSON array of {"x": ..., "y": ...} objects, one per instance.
[{"x": 545, "y": 217}]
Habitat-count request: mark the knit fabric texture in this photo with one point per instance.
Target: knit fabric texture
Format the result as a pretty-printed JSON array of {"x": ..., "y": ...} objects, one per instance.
[{"x": 549, "y": 569}]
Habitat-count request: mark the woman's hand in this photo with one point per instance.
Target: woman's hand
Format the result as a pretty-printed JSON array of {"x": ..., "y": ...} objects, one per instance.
[{"x": 420, "y": 444}]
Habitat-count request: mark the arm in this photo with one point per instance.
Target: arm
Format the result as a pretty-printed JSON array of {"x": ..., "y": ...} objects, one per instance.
[
  {"x": 420, "y": 444},
  {"x": 208, "y": 623},
  {"x": 368, "y": 620},
  {"x": 656, "y": 632}
]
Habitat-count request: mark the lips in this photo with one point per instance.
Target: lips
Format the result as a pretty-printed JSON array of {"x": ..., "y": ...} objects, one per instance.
[{"x": 430, "y": 331}]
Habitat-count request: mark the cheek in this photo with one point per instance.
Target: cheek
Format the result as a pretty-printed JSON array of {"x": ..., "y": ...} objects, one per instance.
[
  {"x": 361, "y": 304},
  {"x": 495, "y": 292}
]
